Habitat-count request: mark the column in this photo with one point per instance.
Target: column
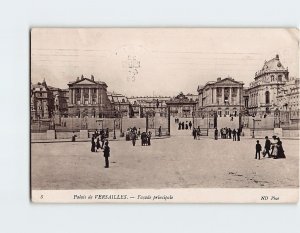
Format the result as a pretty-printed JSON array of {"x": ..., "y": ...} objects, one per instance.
[
  {"x": 238, "y": 96},
  {"x": 230, "y": 96},
  {"x": 90, "y": 96},
  {"x": 222, "y": 99},
  {"x": 215, "y": 95},
  {"x": 97, "y": 100},
  {"x": 71, "y": 96},
  {"x": 81, "y": 95},
  {"x": 73, "y": 92},
  {"x": 212, "y": 95}
]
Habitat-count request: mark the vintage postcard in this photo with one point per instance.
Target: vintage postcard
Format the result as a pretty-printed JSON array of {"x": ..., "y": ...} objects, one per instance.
[{"x": 164, "y": 115}]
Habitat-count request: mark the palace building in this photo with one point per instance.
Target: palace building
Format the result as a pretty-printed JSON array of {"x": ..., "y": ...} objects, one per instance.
[
  {"x": 264, "y": 90},
  {"x": 182, "y": 105},
  {"x": 223, "y": 96},
  {"x": 88, "y": 97}
]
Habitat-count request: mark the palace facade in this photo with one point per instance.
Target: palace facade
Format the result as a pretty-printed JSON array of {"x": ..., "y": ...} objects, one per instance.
[
  {"x": 88, "y": 97},
  {"x": 223, "y": 96},
  {"x": 264, "y": 90}
]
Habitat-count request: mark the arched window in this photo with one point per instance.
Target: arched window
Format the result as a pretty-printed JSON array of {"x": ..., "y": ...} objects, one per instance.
[{"x": 267, "y": 97}]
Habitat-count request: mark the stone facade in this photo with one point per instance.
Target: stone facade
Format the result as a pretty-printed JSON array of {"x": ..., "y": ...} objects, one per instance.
[
  {"x": 264, "y": 90},
  {"x": 42, "y": 101},
  {"x": 182, "y": 105},
  {"x": 223, "y": 96},
  {"x": 88, "y": 98}
]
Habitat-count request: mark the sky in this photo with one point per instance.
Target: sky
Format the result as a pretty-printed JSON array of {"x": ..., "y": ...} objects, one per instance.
[{"x": 158, "y": 61}]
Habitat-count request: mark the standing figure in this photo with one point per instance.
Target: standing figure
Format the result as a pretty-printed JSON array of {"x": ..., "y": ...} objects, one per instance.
[
  {"x": 229, "y": 133},
  {"x": 257, "y": 150},
  {"x": 149, "y": 138},
  {"x": 198, "y": 133},
  {"x": 194, "y": 133},
  {"x": 190, "y": 125},
  {"x": 98, "y": 142},
  {"x": 133, "y": 138},
  {"x": 280, "y": 153},
  {"x": 274, "y": 144},
  {"x": 106, "y": 154},
  {"x": 139, "y": 133},
  {"x": 267, "y": 147},
  {"x": 159, "y": 131},
  {"x": 216, "y": 134},
  {"x": 93, "y": 144},
  {"x": 179, "y": 126},
  {"x": 102, "y": 138},
  {"x": 74, "y": 137},
  {"x": 238, "y": 134},
  {"x": 234, "y": 135}
]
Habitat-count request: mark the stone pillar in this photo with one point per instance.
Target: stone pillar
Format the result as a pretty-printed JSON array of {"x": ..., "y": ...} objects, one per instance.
[
  {"x": 90, "y": 96},
  {"x": 215, "y": 95},
  {"x": 230, "y": 96},
  {"x": 71, "y": 96},
  {"x": 97, "y": 100},
  {"x": 81, "y": 95},
  {"x": 238, "y": 96},
  {"x": 74, "y": 100},
  {"x": 212, "y": 95},
  {"x": 222, "y": 99}
]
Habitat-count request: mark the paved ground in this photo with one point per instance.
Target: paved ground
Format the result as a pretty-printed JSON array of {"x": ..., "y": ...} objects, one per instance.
[{"x": 176, "y": 162}]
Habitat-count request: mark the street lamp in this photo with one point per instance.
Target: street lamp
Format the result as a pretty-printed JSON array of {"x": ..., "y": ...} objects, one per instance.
[{"x": 114, "y": 129}]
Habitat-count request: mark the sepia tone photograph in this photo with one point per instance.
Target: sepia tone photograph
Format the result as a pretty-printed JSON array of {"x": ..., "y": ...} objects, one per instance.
[{"x": 164, "y": 114}]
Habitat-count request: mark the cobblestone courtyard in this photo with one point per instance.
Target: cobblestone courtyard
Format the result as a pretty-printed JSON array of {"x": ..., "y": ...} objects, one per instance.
[{"x": 176, "y": 162}]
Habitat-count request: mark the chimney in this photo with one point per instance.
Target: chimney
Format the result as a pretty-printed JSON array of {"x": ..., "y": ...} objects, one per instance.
[
  {"x": 82, "y": 77},
  {"x": 92, "y": 77},
  {"x": 219, "y": 79},
  {"x": 277, "y": 56},
  {"x": 77, "y": 79}
]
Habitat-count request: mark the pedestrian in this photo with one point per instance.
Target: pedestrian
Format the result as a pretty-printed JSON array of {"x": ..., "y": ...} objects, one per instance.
[
  {"x": 149, "y": 138},
  {"x": 267, "y": 147},
  {"x": 179, "y": 126},
  {"x": 216, "y": 134},
  {"x": 198, "y": 133},
  {"x": 93, "y": 144},
  {"x": 238, "y": 134},
  {"x": 233, "y": 135},
  {"x": 102, "y": 139},
  {"x": 139, "y": 133},
  {"x": 133, "y": 138},
  {"x": 106, "y": 154},
  {"x": 190, "y": 125},
  {"x": 257, "y": 150},
  {"x": 280, "y": 153},
  {"x": 107, "y": 133},
  {"x": 159, "y": 131},
  {"x": 274, "y": 150},
  {"x": 74, "y": 137},
  {"x": 229, "y": 133},
  {"x": 194, "y": 133},
  {"x": 186, "y": 125},
  {"x": 98, "y": 142}
]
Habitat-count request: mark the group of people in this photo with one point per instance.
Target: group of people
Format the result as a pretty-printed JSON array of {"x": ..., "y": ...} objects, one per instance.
[
  {"x": 273, "y": 148},
  {"x": 196, "y": 133},
  {"x": 135, "y": 134},
  {"x": 228, "y": 133},
  {"x": 184, "y": 125},
  {"x": 100, "y": 141}
]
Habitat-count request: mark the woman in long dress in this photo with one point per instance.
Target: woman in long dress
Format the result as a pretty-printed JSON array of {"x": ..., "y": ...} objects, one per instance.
[
  {"x": 280, "y": 151},
  {"x": 93, "y": 144},
  {"x": 274, "y": 147}
]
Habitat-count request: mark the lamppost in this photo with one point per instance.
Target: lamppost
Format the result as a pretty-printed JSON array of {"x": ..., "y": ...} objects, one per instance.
[{"x": 114, "y": 129}]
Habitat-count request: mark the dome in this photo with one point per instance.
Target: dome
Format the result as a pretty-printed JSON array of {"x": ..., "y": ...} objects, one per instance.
[{"x": 273, "y": 65}]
